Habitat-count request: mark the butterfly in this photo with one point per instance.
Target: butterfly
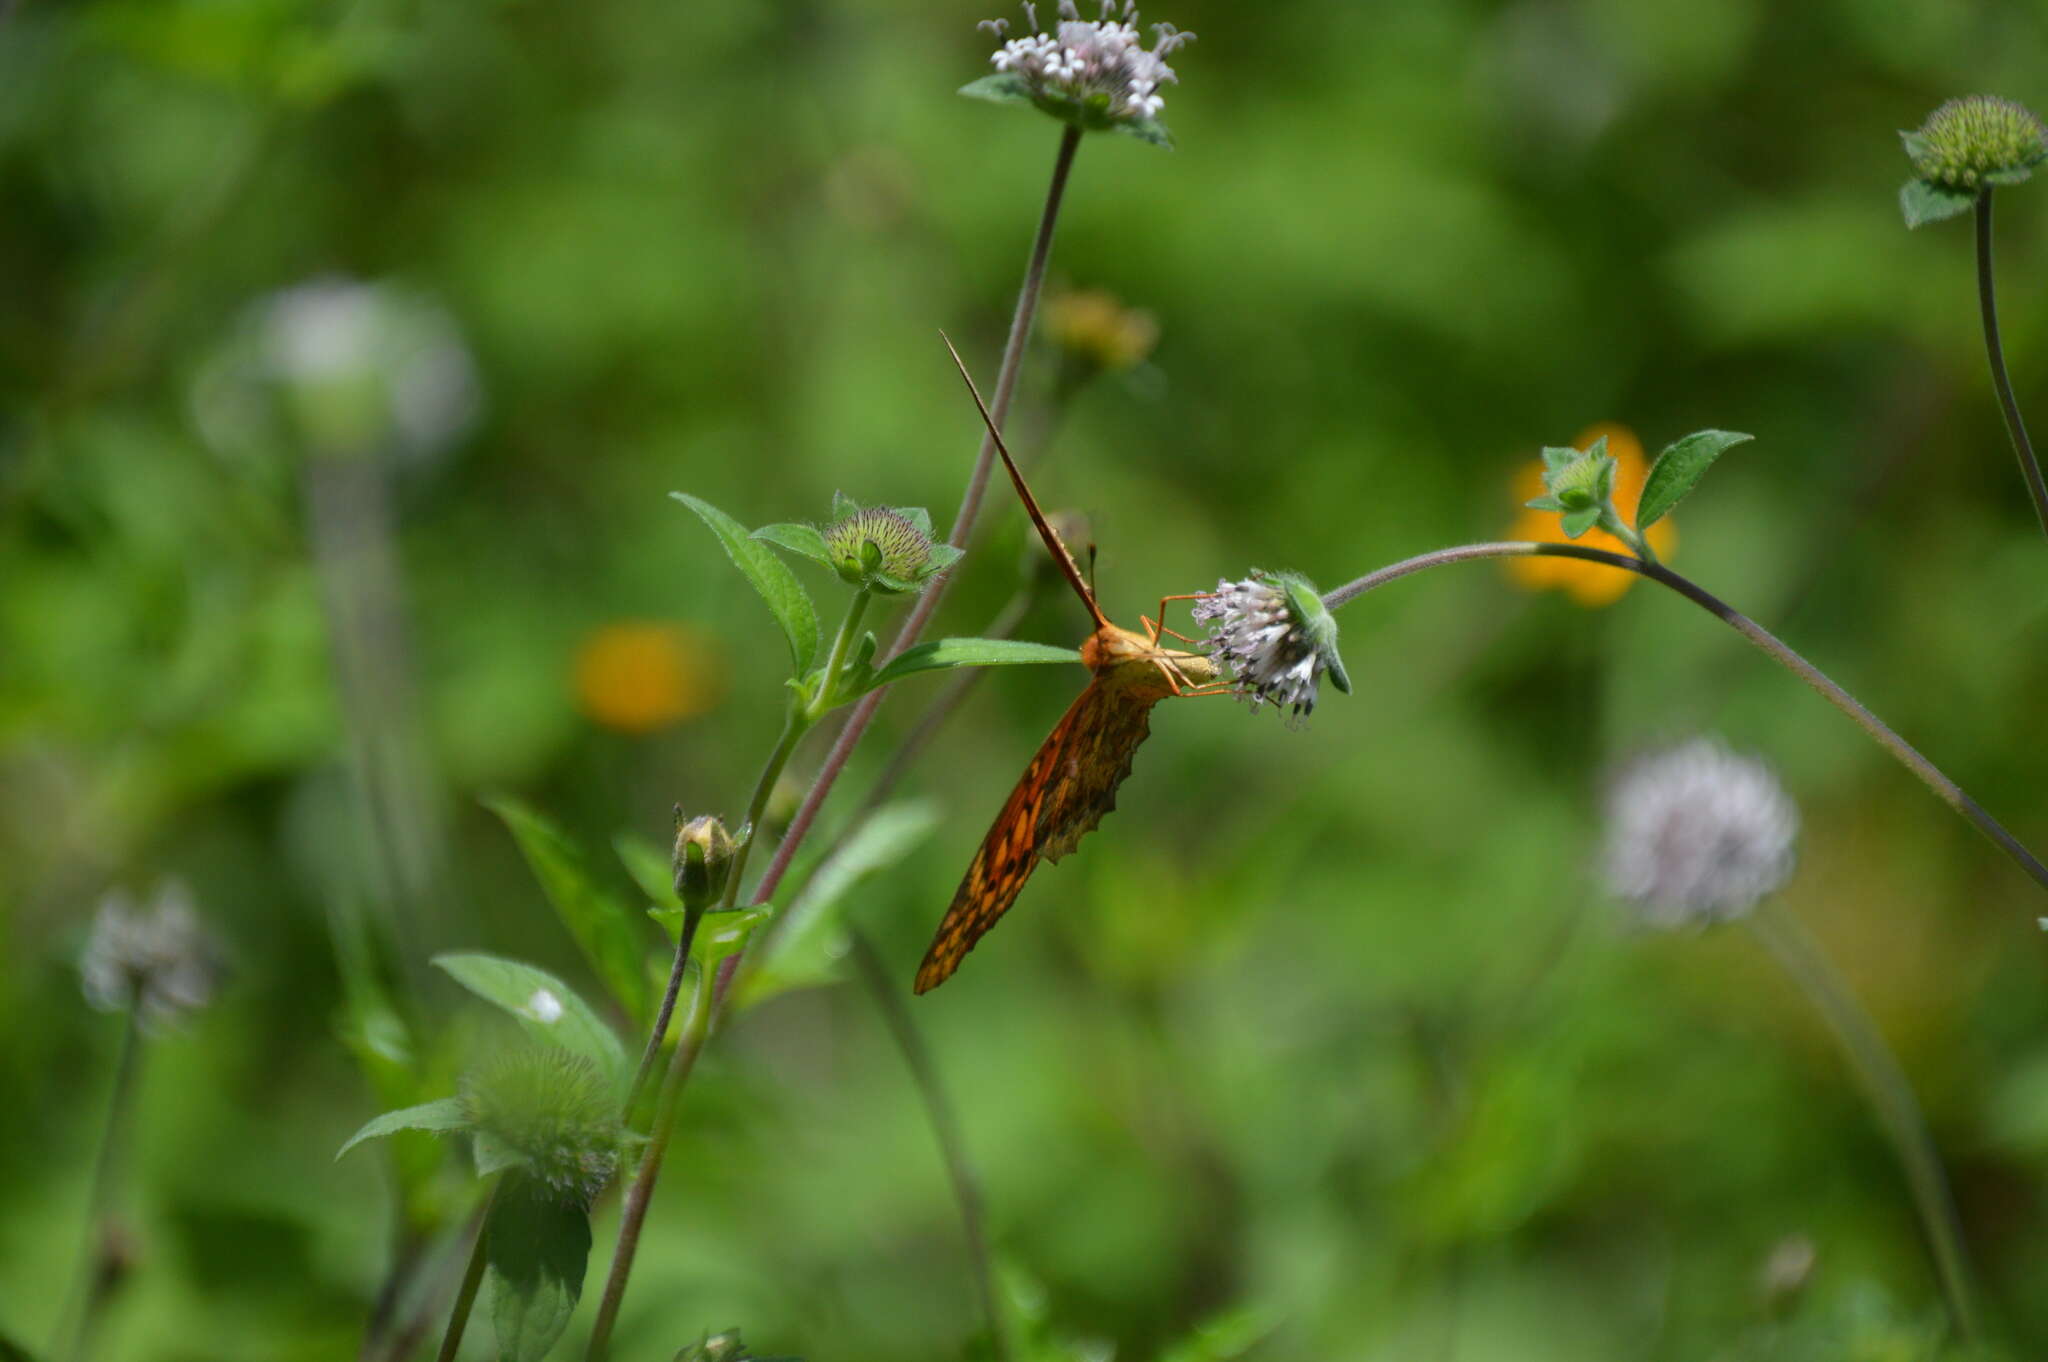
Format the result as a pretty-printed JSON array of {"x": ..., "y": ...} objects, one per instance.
[{"x": 1072, "y": 781}]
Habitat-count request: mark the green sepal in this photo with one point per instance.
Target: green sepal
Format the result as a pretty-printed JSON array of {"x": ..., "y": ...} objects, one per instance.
[
  {"x": 1544, "y": 503},
  {"x": 1004, "y": 87},
  {"x": 536, "y": 1249},
  {"x": 770, "y": 576},
  {"x": 440, "y": 1116},
  {"x": 802, "y": 540},
  {"x": 918, "y": 516},
  {"x": 1678, "y": 469},
  {"x": 494, "y": 1155},
  {"x": 518, "y": 988},
  {"x": 1915, "y": 143},
  {"x": 1577, "y": 522},
  {"x": 1923, "y": 201},
  {"x": 943, "y": 654},
  {"x": 1145, "y": 130},
  {"x": 2010, "y": 175}
]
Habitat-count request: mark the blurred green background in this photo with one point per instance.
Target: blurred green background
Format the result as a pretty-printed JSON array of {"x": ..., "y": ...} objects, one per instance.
[{"x": 1332, "y": 1024}]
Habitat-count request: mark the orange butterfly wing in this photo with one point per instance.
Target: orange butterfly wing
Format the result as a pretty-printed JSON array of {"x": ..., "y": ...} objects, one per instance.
[{"x": 1069, "y": 785}]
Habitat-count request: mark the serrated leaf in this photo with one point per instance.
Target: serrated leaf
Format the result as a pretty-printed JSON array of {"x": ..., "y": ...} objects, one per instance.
[
  {"x": 650, "y": 867},
  {"x": 1923, "y": 201},
  {"x": 803, "y": 540},
  {"x": 770, "y": 576},
  {"x": 944, "y": 653},
  {"x": 604, "y": 929},
  {"x": 1145, "y": 130},
  {"x": 1681, "y": 465},
  {"x": 443, "y": 1115},
  {"x": 1004, "y": 87},
  {"x": 535, "y": 1253},
  {"x": 805, "y": 948},
  {"x": 547, "y": 1008},
  {"x": 1576, "y": 523}
]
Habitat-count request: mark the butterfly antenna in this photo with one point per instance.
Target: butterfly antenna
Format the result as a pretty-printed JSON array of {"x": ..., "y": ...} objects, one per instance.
[{"x": 1053, "y": 543}]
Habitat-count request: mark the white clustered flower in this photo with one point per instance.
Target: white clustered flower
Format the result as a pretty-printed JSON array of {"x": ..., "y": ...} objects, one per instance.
[
  {"x": 1275, "y": 651},
  {"x": 1083, "y": 60},
  {"x": 160, "y": 959},
  {"x": 1698, "y": 834}
]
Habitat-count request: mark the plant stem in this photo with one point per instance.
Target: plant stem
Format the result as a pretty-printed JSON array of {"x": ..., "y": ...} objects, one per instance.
[
  {"x": 794, "y": 725},
  {"x": 938, "y": 1110},
  {"x": 1889, "y": 1093},
  {"x": 1987, "y": 302},
  {"x": 89, "y": 1290},
  {"x": 472, "y": 1278},
  {"x": 634, "y": 1215},
  {"x": 963, "y": 524},
  {"x": 1908, "y": 756}
]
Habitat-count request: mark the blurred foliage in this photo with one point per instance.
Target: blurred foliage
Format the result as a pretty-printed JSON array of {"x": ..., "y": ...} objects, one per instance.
[{"x": 1328, "y": 1028}]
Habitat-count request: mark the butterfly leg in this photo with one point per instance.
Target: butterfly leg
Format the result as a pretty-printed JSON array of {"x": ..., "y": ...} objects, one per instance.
[
  {"x": 1186, "y": 689},
  {"x": 1160, "y": 627}
]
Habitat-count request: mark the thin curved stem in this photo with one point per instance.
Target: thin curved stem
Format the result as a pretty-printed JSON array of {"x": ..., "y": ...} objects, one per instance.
[
  {"x": 938, "y": 1110},
  {"x": 1907, "y": 755},
  {"x": 794, "y": 726},
  {"x": 1890, "y": 1095},
  {"x": 472, "y": 1279},
  {"x": 90, "y": 1292},
  {"x": 856, "y": 725},
  {"x": 1987, "y": 302}
]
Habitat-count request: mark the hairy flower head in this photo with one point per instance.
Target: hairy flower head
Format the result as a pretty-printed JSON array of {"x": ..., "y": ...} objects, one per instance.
[
  {"x": 1277, "y": 637},
  {"x": 884, "y": 550},
  {"x": 550, "y": 1112},
  {"x": 1092, "y": 73},
  {"x": 160, "y": 959},
  {"x": 1697, "y": 834},
  {"x": 1977, "y": 140}
]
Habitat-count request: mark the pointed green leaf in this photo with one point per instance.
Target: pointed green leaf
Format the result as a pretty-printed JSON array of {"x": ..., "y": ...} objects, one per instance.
[
  {"x": 944, "y": 653},
  {"x": 1679, "y": 468},
  {"x": 806, "y": 946},
  {"x": 1005, "y": 87},
  {"x": 443, "y": 1115},
  {"x": 1923, "y": 201},
  {"x": 1915, "y": 144},
  {"x": 535, "y": 1251},
  {"x": 1544, "y": 503},
  {"x": 545, "y": 1006},
  {"x": 918, "y": 516},
  {"x": 604, "y": 929},
  {"x": 803, "y": 540},
  {"x": 943, "y": 556},
  {"x": 770, "y": 576}
]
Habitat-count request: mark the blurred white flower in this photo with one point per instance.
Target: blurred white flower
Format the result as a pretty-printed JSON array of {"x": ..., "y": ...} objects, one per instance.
[
  {"x": 1698, "y": 834},
  {"x": 160, "y": 959},
  {"x": 340, "y": 367},
  {"x": 1102, "y": 60}
]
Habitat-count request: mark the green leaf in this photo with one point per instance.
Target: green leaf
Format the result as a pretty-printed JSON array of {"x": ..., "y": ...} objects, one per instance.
[
  {"x": 1578, "y": 522},
  {"x": 918, "y": 516},
  {"x": 1678, "y": 468},
  {"x": 1923, "y": 201},
  {"x": 943, "y": 653},
  {"x": 493, "y": 1155},
  {"x": 1224, "y": 1336},
  {"x": 770, "y": 576},
  {"x": 548, "y": 1009},
  {"x": 443, "y": 1115},
  {"x": 805, "y": 949},
  {"x": 651, "y": 868},
  {"x": 604, "y": 929},
  {"x": 1545, "y": 503},
  {"x": 2010, "y": 175},
  {"x": 1145, "y": 130},
  {"x": 1915, "y": 144},
  {"x": 1005, "y": 87},
  {"x": 535, "y": 1251},
  {"x": 942, "y": 556},
  {"x": 798, "y": 539}
]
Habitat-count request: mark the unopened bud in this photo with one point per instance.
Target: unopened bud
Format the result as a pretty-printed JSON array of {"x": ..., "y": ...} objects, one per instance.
[{"x": 703, "y": 859}]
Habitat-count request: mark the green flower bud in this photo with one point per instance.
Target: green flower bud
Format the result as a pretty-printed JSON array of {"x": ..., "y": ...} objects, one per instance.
[
  {"x": 547, "y": 1111},
  {"x": 702, "y": 861},
  {"x": 884, "y": 551},
  {"x": 1977, "y": 140}
]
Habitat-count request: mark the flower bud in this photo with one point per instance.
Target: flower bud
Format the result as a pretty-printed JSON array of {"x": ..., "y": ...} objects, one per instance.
[
  {"x": 1976, "y": 140},
  {"x": 548, "y": 1111},
  {"x": 702, "y": 861},
  {"x": 884, "y": 551}
]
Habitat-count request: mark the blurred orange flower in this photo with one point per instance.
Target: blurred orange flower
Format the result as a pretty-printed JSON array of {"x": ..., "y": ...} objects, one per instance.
[
  {"x": 640, "y": 676},
  {"x": 1096, "y": 327},
  {"x": 1590, "y": 584}
]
